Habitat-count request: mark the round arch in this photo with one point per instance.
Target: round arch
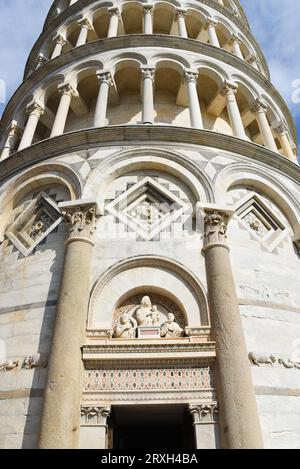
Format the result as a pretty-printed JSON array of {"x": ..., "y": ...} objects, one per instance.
[{"x": 147, "y": 273}]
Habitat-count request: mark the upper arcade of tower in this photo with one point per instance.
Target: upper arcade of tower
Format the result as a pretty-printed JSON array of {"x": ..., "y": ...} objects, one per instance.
[{"x": 188, "y": 64}]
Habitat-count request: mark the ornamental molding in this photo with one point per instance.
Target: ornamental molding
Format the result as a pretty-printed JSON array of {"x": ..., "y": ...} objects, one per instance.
[
  {"x": 157, "y": 397},
  {"x": 137, "y": 347},
  {"x": 143, "y": 135}
]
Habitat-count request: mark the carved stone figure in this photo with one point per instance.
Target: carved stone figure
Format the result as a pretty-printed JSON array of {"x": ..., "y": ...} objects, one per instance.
[
  {"x": 286, "y": 363},
  {"x": 34, "y": 361},
  {"x": 170, "y": 328},
  {"x": 9, "y": 366},
  {"x": 125, "y": 328},
  {"x": 144, "y": 314},
  {"x": 257, "y": 359}
]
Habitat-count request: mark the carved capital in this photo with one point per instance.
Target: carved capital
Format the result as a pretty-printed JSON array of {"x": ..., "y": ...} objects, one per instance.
[
  {"x": 211, "y": 22},
  {"x": 204, "y": 413},
  {"x": 190, "y": 76},
  {"x": 105, "y": 77},
  {"x": 80, "y": 219},
  {"x": 252, "y": 59},
  {"x": 59, "y": 40},
  {"x": 148, "y": 9},
  {"x": 215, "y": 227},
  {"x": 259, "y": 106},
  {"x": 229, "y": 87},
  {"x": 67, "y": 88},
  {"x": 34, "y": 109},
  {"x": 13, "y": 129},
  {"x": 114, "y": 11},
  {"x": 180, "y": 13},
  {"x": 41, "y": 60},
  {"x": 85, "y": 23},
  {"x": 234, "y": 38},
  {"x": 95, "y": 416},
  {"x": 148, "y": 72},
  {"x": 280, "y": 128}
]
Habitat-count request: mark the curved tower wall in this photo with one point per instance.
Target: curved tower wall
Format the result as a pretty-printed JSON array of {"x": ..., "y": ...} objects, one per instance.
[{"x": 126, "y": 106}]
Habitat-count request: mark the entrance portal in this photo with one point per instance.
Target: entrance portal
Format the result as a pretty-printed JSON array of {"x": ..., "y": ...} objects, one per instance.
[{"x": 151, "y": 427}]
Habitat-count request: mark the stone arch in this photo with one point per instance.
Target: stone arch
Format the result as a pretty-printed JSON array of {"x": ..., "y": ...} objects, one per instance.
[
  {"x": 132, "y": 16},
  {"x": 36, "y": 178},
  {"x": 163, "y": 17},
  {"x": 157, "y": 274},
  {"x": 175, "y": 164},
  {"x": 245, "y": 175}
]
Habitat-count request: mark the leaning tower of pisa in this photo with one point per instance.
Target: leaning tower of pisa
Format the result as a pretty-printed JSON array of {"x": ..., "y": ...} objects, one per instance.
[{"x": 149, "y": 235}]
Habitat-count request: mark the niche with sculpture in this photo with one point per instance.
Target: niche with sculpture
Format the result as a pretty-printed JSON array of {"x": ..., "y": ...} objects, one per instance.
[{"x": 148, "y": 317}]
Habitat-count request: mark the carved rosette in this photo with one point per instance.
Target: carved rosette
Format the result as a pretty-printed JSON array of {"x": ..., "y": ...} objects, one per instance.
[
  {"x": 81, "y": 221},
  {"x": 204, "y": 413},
  {"x": 215, "y": 227},
  {"x": 95, "y": 416}
]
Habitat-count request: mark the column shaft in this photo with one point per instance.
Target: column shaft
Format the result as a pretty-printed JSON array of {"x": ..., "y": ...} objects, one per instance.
[
  {"x": 233, "y": 111},
  {"x": 212, "y": 34},
  {"x": 194, "y": 106},
  {"x": 148, "y": 99},
  {"x": 82, "y": 38},
  {"x": 114, "y": 22},
  {"x": 34, "y": 112},
  {"x": 239, "y": 421},
  {"x": 260, "y": 110},
  {"x": 60, "y": 425},
  {"x": 148, "y": 20},
  {"x": 181, "y": 23},
  {"x": 102, "y": 100},
  {"x": 63, "y": 109}
]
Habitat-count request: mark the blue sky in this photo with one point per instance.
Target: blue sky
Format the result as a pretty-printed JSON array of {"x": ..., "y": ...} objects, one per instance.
[{"x": 275, "y": 24}]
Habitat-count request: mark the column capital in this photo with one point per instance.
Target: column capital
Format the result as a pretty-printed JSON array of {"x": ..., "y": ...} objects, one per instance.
[
  {"x": 34, "y": 108},
  {"x": 59, "y": 39},
  {"x": 67, "y": 88},
  {"x": 104, "y": 76},
  {"x": 148, "y": 72},
  {"x": 229, "y": 87},
  {"x": 204, "y": 412},
  {"x": 41, "y": 60},
  {"x": 85, "y": 23},
  {"x": 251, "y": 59},
  {"x": 148, "y": 9},
  {"x": 234, "y": 38},
  {"x": 95, "y": 415},
  {"x": 80, "y": 217},
  {"x": 280, "y": 128},
  {"x": 211, "y": 22},
  {"x": 180, "y": 13},
  {"x": 114, "y": 11},
  {"x": 191, "y": 76},
  {"x": 216, "y": 221},
  {"x": 259, "y": 106}
]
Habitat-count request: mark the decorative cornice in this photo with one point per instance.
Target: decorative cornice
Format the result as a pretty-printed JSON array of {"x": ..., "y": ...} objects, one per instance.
[
  {"x": 118, "y": 348},
  {"x": 141, "y": 135},
  {"x": 121, "y": 42}
]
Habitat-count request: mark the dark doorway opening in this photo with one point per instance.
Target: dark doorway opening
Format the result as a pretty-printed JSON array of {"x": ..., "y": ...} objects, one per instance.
[{"x": 159, "y": 427}]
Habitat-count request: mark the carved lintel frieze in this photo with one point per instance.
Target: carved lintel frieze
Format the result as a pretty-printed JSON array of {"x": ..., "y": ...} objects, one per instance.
[
  {"x": 80, "y": 218},
  {"x": 204, "y": 413},
  {"x": 94, "y": 415}
]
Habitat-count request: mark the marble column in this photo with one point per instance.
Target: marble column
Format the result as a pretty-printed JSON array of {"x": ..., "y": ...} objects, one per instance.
[
  {"x": 282, "y": 133},
  {"x": 236, "y": 48},
  {"x": 239, "y": 421},
  {"x": 93, "y": 431},
  {"x": 205, "y": 417},
  {"x": 180, "y": 16},
  {"x": 34, "y": 111},
  {"x": 148, "y": 74},
  {"x": 252, "y": 60},
  {"x": 148, "y": 19},
  {"x": 194, "y": 105},
  {"x": 85, "y": 27},
  {"x": 229, "y": 90},
  {"x": 13, "y": 133},
  {"x": 212, "y": 34},
  {"x": 60, "y": 423},
  {"x": 114, "y": 22},
  {"x": 260, "y": 110},
  {"x": 105, "y": 82},
  {"x": 59, "y": 43},
  {"x": 67, "y": 92}
]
